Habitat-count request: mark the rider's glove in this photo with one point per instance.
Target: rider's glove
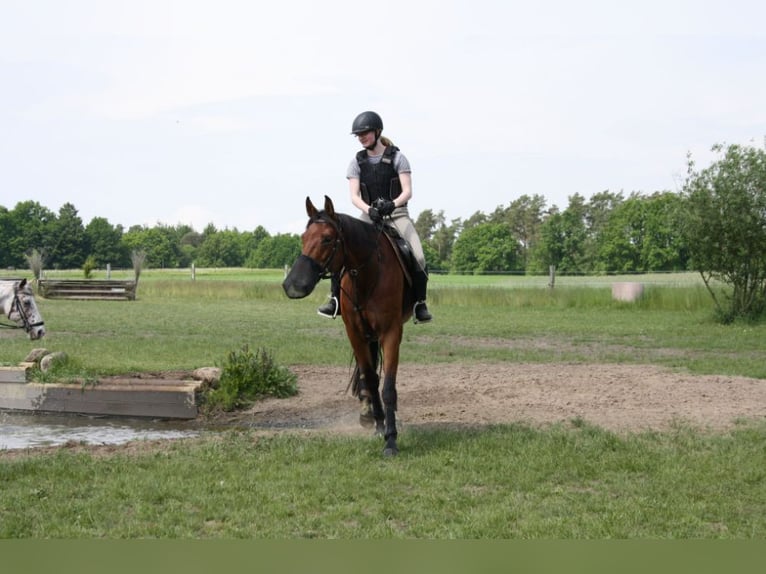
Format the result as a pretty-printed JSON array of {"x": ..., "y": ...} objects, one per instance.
[
  {"x": 386, "y": 207},
  {"x": 375, "y": 215}
]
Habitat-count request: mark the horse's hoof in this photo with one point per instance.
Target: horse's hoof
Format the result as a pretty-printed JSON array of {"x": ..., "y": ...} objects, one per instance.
[
  {"x": 367, "y": 420},
  {"x": 390, "y": 451}
]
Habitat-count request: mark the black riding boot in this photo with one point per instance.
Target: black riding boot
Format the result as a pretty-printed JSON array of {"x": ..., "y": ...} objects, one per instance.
[
  {"x": 331, "y": 308},
  {"x": 420, "y": 280}
]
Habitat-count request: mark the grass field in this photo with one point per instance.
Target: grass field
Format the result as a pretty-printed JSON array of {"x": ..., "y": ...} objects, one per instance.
[
  {"x": 177, "y": 323},
  {"x": 512, "y": 481}
]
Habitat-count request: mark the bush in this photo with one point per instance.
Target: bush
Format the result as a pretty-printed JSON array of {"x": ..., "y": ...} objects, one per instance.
[
  {"x": 247, "y": 377},
  {"x": 89, "y": 266}
]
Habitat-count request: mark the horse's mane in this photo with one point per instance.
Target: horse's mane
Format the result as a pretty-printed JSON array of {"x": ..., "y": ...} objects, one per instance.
[{"x": 355, "y": 231}]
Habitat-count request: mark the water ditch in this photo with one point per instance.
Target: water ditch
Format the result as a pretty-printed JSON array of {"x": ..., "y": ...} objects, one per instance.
[{"x": 20, "y": 430}]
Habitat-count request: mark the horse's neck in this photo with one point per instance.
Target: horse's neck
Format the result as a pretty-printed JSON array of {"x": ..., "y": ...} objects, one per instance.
[{"x": 364, "y": 253}]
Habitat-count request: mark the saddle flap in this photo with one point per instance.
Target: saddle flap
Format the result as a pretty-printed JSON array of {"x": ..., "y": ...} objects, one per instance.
[{"x": 402, "y": 250}]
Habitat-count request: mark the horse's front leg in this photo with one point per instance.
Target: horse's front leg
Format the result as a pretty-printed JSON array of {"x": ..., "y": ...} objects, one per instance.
[
  {"x": 389, "y": 404},
  {"x": 372, "y": 408},
  {"x": 390, "y": 367},
  {"x": 368, "y": 417}
]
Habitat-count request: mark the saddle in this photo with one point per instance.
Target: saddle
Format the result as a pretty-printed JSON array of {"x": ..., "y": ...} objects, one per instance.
[{"x": 402, "y": 250}]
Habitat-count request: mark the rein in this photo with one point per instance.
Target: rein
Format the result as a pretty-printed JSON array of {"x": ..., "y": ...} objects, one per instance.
[{"x": 323, "y": 270}]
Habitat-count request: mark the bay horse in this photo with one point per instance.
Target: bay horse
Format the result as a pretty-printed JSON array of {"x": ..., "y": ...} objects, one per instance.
[
  {"x": 17, "y": 303},
  {"x": 375, "y": 302}
]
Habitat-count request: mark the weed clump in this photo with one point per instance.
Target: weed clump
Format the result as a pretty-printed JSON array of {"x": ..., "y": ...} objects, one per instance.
[{"x": 247, "y": 376}]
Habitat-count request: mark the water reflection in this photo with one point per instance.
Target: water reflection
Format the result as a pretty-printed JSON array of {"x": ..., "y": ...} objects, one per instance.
[{"x": 23, "y": 430}]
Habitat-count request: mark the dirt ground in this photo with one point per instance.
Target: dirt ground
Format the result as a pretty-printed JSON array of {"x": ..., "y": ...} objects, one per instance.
[{"x": 621, "y": 398}]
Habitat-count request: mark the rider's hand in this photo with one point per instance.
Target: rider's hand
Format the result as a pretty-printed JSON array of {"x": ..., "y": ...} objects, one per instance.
[
  {"x": 374, "y": 215},
  {"x": 386, "y": 207}
]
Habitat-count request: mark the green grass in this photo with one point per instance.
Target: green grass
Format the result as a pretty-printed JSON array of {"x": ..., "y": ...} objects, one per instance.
[
  {"x": 502, "y": 482},
  {"x": 567, "y": 481},
  {"x": 177, "y": 323}
]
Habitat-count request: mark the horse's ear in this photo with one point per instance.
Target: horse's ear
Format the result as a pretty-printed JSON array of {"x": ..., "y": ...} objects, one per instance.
[
  {"x": 23, "y": 282},
  {"x": 311, "y": 211},
  {"x": 329, "y": 207}
]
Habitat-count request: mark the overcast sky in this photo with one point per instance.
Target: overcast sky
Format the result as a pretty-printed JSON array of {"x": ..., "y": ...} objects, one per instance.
[{"x": 231, "y": 112}]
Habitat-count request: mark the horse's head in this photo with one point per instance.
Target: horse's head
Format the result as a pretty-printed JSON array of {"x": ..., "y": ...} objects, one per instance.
[
  {"x": 321, "y": 252},
  {"x": 22, "y": 309}
]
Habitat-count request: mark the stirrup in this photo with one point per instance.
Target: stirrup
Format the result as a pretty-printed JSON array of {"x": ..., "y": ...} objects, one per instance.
[
  {"x": 426, "y": 318},
  {"x": 329, "y": 309}
]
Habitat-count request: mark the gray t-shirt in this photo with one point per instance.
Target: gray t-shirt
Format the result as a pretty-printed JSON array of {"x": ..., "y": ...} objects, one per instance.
[{"x": 401, "y": 165}]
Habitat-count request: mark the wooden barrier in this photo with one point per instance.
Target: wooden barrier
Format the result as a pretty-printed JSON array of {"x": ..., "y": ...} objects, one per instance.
[
  {"x": 134, "y": 397},
  {"x": 93, "y": 289}
]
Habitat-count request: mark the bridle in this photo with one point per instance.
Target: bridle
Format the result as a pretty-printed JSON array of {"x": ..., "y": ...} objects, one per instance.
[
  {"x": 322, "y": 270},
  {"x": 27, "y": 325}
]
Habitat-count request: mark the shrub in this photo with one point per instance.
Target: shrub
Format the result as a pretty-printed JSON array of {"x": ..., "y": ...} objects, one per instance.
[
  {"x": 89, "y": 266},
  {"x": 247, "y": 376}
]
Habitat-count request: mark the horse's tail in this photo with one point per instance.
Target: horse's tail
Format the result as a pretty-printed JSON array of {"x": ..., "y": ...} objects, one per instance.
[{"x": 356, "y": 383}]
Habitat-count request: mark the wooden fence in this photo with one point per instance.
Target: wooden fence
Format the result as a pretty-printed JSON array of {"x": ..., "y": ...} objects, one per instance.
[{"x": 110, "y": 289}]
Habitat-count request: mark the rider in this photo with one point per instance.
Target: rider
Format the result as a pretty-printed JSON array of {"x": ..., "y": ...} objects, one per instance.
[{"x": 381, "y": 172}]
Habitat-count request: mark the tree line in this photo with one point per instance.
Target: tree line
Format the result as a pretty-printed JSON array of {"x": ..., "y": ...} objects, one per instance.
[
  {"x": 64, "y": 242},
  {"x": 715, "y": 225},
  {"x": 607, "y": 233}
]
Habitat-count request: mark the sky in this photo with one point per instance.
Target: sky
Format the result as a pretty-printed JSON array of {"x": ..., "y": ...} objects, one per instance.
[{"x": 232, "y": 112}]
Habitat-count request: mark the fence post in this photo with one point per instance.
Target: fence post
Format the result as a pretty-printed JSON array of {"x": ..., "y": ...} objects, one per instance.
[{"x": 551, "y": 276}]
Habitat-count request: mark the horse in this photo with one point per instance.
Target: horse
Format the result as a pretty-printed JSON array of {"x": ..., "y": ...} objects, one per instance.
[
  {"x": 375, "y": 302},
  {"x": 17, "y": 303}
]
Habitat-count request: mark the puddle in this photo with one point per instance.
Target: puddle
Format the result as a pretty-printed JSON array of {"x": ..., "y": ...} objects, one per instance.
[{"x": 23, "y": 430}]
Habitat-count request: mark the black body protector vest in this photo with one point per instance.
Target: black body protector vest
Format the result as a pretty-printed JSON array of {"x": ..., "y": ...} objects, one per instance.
[{"x": 379, "y": 180}]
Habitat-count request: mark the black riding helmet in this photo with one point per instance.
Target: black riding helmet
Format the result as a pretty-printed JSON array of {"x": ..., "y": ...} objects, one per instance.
[{"x": 365, "y": 122}]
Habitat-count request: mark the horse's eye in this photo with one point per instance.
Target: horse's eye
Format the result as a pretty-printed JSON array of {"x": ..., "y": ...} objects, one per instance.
[{"x": 326, "y": 240}]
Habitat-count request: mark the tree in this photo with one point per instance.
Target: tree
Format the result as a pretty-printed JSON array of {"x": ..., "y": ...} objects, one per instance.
[
  {"x": 160, "y": 245},
  {"x": 524, "y": 217},
  {"x": 426, "y": 222},
  {"x": 67, "y": 249},
  {"x": 726, "y": 229},
  {"x": 621, "y": 240},
  {"x": 30, "y": 225},
  {"x": 562, "y": 239},
  {"x": 664, "y": 246},
  {"x": 437, "y": 237},
  {"x": 104, "y": 243},
  {"x": 276, "y": 252},
  {"x": 598, "y": 212},
  {"x": 6, "y": 233},
  {"x": 485, "y": 247},
  {"x": 222, "y": 249}
]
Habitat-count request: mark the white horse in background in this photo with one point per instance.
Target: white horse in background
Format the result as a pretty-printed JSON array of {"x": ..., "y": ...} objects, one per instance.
[{"x": 17, "y": 303}]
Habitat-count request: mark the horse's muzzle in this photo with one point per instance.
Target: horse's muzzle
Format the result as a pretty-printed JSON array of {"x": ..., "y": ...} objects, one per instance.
[
  {"x": 303, "y": 277},
  {"x": 36, "y": 333}
]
